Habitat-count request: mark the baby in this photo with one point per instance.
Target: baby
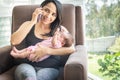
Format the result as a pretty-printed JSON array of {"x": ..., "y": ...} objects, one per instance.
[{"x": 60, "y": 39}]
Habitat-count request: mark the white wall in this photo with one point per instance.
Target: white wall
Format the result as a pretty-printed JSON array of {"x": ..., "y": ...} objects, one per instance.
[{"x": 99, "y": 44}]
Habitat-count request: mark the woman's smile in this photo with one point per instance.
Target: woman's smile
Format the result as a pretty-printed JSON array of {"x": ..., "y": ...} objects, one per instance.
[{"x": 46, "y": 19}]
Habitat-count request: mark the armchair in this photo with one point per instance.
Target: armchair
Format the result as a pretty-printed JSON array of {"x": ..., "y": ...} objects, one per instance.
[{"x": 74, "y": 66}]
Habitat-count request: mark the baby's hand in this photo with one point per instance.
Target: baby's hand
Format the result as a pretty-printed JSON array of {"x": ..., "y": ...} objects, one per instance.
[{"x": 57, "y": 31}]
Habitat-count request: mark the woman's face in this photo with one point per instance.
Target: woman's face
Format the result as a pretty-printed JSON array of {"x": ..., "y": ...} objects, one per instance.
[{"x": 49, "y": 13}]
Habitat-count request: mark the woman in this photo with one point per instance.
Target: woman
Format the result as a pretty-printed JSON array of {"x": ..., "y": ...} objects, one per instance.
[{"x": 39, "y": 30}]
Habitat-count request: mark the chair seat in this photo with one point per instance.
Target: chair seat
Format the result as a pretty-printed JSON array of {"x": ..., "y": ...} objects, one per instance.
[{"x": 8, "y": 75}]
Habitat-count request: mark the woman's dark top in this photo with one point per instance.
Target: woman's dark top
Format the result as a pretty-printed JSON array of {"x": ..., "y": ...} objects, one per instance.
[{"x": 51, "y": 62}]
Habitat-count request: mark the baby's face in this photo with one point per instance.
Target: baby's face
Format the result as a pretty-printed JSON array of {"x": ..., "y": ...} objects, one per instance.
[{"x": 62, "y": 37}]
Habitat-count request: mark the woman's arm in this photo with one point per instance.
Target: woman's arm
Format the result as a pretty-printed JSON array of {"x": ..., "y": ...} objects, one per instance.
[
  {"x": 42, "y": 51},
  {"x": 60, "y": 51},
  {"x": 18, "y": 36}
]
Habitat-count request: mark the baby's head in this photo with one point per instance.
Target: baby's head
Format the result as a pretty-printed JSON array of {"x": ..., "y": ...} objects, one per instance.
[{"x": 67, "y": 39}]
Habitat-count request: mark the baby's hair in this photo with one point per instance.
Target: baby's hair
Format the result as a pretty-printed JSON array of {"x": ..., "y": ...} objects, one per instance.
[{"x": 68, "y": 40}]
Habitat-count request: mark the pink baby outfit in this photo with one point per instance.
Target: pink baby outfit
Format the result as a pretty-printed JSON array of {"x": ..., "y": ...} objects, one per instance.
[{"x": 46, "y": 43}]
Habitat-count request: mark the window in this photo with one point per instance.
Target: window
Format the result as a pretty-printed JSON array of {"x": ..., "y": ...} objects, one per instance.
[
  {"x": 6, "y": 7},
  {"x": 102, "y": 28},
  {"x": 5, "y": 32}
]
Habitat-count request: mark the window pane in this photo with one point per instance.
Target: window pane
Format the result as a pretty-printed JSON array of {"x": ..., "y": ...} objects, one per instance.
[
  {"x": 102, "y": 28},
  {"x": 5, "y": 30}
]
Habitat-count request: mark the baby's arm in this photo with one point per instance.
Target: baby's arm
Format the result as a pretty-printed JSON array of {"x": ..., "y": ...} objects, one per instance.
[
  {"x": 54, "y": 40},
  {"x": 56, "y": 43}
]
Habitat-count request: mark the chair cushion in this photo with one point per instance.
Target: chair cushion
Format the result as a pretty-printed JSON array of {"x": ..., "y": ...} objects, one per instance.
[{"x": 8, "y": 75}]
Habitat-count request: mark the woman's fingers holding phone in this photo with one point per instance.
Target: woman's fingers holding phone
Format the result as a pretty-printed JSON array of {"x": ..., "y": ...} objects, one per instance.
[
  {"x": 36, "y": 14},
  {"x": 39, "y": 10}
]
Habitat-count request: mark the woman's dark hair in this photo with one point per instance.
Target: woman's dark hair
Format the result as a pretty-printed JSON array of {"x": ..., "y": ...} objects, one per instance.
[{"x": 57, "y": 22}]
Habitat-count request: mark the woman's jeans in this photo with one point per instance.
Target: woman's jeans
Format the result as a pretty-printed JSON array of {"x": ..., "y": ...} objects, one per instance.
[{"x": 27, "y": 72}]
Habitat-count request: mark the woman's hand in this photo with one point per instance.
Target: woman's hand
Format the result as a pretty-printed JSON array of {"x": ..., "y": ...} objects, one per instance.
[
  {"x": 40, "y": 52},
  {"x": 35, "y": 14}
]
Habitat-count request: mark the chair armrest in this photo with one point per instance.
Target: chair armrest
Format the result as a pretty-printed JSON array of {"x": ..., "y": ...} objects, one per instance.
[
  {"x": 76, "y": 65},
  {"x": 5, "y": 58}
]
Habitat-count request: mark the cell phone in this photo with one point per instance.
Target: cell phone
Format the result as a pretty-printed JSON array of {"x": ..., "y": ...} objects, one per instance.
[{"x": 39, "y": 17}]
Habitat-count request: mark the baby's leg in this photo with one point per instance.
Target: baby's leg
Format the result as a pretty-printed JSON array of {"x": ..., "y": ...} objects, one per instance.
[
  {"x": 15, "y": 50},
  {"x": 14, "y": 53},
  {"x": 19, "y": 53}
]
